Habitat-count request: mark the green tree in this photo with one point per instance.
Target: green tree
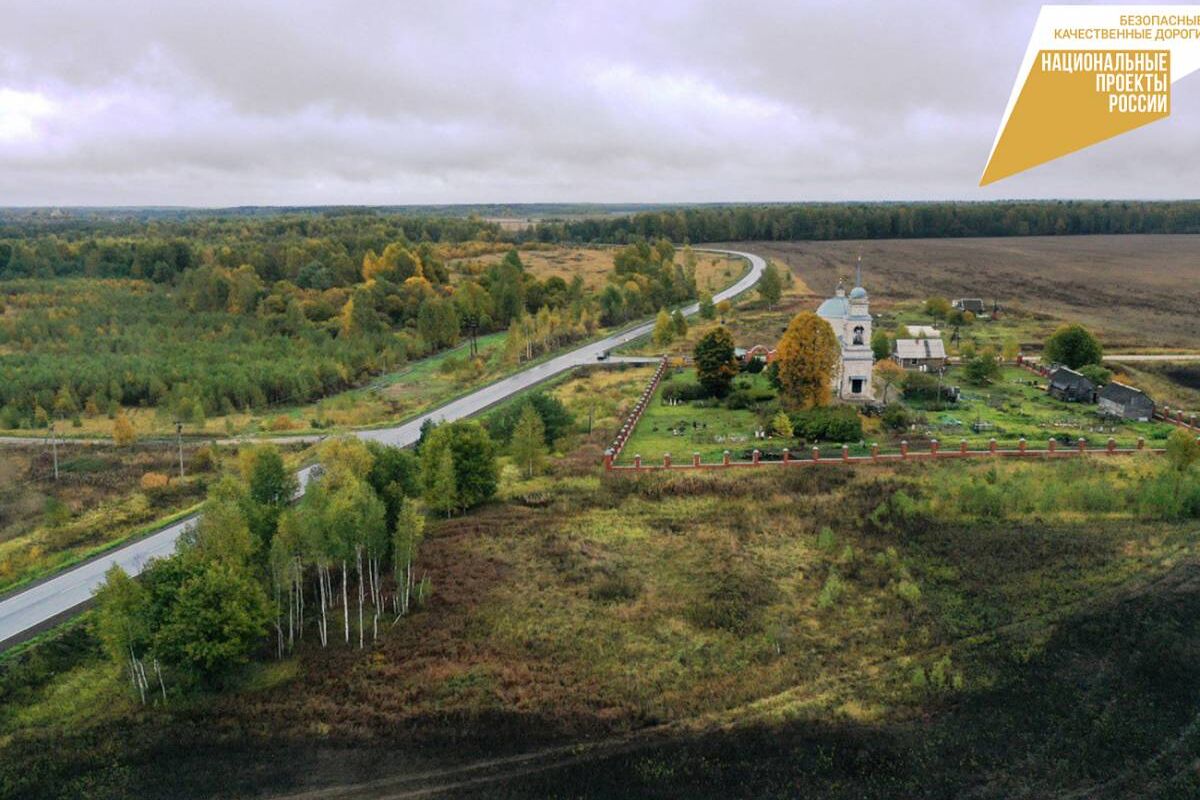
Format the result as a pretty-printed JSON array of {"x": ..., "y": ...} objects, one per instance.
[
  {"x": 437, "y": 322},
  {"x": 770, "y": 285},
  {"x": 664, "y": 331},
  {"x": 881, "y": 345},
  {"x": 437, "y": 471},
  {"x": 217, "y": 619},
  {"x": 222, "y": 534},
  {"x": 1182, "y": 449},
  {"x": 716, "y": 363},
  {"x": 781, "y": 425},
  {"x": 982, "y": 368},
  {"x": 529, "y": 441},
  {"x": 1073, "y": 346},
  {"x": 123, "y": 624},
  {"x": 937, "y": 307},
  {"x": 679, "y": 323},
  {"x": 409, "y": 531},
  {"x": 708, "y": 309},
  {"x": 473, "y": 456},
  {"x": 1096, "y": 374}
]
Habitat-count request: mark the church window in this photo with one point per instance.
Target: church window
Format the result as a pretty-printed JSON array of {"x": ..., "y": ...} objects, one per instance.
[{"x": 856, "y": 385}]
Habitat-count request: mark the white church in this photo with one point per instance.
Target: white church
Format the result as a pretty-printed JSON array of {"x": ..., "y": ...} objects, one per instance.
[{"x": 850, "y": 319}]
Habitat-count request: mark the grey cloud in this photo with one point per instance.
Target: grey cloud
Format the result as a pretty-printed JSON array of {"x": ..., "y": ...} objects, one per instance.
[{"x": 215, "y": 103}]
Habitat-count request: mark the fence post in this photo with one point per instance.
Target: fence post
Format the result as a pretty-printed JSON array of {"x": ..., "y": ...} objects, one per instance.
[
  {"x": 787, "y": 456},
  {"x": 1112, "y": 445},
  {"x": 962, "y": 446},
  {"x": 933, "y": 447},
  {"x": 608, "y": 460},
  {"x": 845, "y": 452},
  {"x": 725, "y": 458},
  {"x": 637, "y": 461},
  {"x": 1022, "y": 445},
  {"x": 904, "y": 448},
  {"x": 695, "y": 459},
  {"x": 874, "y": 451},
  {"x": 666, "y": 460},
  {"x": 1052, "y": 445},
  {"x": 1082, "y": 445},
  {"x": 992, "y": 445},
  {"x": 1141, "y": 443},
  {"x": 816, "y": 454},
  {"x": 755, "y": 456}
]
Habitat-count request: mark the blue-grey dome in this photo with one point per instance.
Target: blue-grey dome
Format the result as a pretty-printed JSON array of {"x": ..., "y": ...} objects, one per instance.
[
  {"x": 857, "y": 293},
  {"x": 834, "y": 308}
]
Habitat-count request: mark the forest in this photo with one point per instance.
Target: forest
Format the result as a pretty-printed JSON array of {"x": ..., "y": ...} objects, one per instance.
[{"x": 218, "y": 316}]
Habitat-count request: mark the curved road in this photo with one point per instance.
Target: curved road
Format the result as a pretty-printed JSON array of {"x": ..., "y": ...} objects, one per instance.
[{"x": 54, "y": 599}]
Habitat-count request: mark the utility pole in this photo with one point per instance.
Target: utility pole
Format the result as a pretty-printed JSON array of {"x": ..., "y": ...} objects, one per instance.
[
  {"x": 179, "y": 442},
  {"x": 54, "y": 449}
]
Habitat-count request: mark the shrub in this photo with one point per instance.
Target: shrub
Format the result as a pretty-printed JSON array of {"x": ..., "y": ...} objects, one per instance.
[
  {"x": 281, "y": 423},
  {"x": 832, "y": 591},
  {"x": 748, "y": 398},
  {"x": 153, "y": 481},
  {"x": 896, "y": 417},
  {"x": 834, "y": 424},
  {"x": 204, "y": 459},
  {"x": 1183, "y": 449},
  {"x": 909, "y": 592},
  {"x": 733, "y": 603},
  {"x": 826, "y": 539},
  {"x": 683, "y": 391},
  {"x": 617, "y": 588}
]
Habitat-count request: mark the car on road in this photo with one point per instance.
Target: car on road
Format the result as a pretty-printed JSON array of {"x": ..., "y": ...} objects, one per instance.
[{"x": 602, "y": 355}]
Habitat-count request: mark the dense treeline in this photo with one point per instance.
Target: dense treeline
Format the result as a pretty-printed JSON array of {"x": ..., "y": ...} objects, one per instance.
[
  {"x": 277, "y": 247},
  {"x": 825, "y": 221},
  {"x": 279, "y": 243},
  {"x": 216, "y": 339}
]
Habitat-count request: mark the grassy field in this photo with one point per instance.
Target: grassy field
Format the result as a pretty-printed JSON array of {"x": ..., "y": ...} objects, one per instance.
[
  {"x": 1131, "y": 289},
  {"x": 98, "y": 500},
  {"x": 1014, "y": 406},
  {"x": 831, "y": 633}
]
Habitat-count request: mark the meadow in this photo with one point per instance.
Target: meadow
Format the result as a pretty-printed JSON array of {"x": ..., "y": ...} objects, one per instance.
[{"x": 841, "y": 632}]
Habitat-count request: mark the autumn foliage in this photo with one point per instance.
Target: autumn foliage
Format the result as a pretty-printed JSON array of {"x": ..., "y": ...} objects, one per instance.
[{"x": 807, "y": 356}]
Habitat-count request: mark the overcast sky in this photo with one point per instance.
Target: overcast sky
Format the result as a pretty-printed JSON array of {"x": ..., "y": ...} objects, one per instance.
[{"x": 149, "y": 102}]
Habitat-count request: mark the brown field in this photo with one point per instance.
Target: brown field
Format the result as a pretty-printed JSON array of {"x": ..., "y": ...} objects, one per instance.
[{"x": 1136, "y": 291}]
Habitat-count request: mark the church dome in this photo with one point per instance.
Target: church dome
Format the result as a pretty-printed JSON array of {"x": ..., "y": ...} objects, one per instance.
[
  {"x": 858, "y": 293},
  {"x": 834, "y": 308}
]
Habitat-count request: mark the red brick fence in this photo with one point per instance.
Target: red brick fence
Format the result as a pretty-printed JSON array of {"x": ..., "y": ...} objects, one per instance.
[
  {"x": 842, "y": 455},
  {"x": 614, "y": 451},
  {"x": 1178, "y": 417}
]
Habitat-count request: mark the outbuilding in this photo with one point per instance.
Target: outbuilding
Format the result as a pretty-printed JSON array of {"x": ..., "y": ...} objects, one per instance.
[
  {"x": 926, "y": 355},
  {"x": 1118, "y": 400},
  {"x": 1067, "y": 384}
]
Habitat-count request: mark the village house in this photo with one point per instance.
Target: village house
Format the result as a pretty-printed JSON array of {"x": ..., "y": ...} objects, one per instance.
[
  {"x": 1118, "y": 400},
  {"x": 973, "y": 304},
  {"x": 924, "y": 355},
  {"x": 1067, "y": 384}
]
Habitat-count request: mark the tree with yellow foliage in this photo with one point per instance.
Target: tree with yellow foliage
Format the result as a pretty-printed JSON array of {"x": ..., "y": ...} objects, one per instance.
[
  {"x": 396, "y": 263},
  {"x": 807, "y": 356},
  {"x": 123, "y": 433}
]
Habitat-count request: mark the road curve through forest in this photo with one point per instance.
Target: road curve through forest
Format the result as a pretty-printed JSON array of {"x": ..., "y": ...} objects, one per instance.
[{"x": 54, "y": 599}]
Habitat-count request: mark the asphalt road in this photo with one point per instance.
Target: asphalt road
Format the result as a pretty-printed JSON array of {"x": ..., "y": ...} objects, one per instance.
[{"x": 46, "y": 603}]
